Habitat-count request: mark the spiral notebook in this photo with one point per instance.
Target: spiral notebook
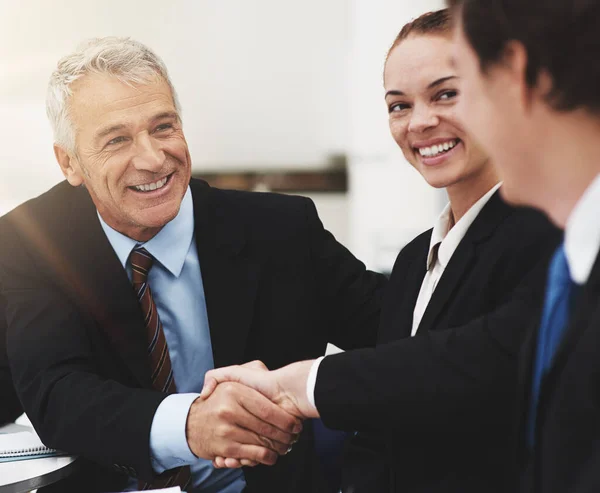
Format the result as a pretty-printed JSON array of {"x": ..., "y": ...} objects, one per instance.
[{"x": 22, "y": 446}]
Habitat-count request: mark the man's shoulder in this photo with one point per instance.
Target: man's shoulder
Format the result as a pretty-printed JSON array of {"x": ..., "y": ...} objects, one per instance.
[
  {"x": 43, "y": 222},
  {"x": 243, "y": 198},
  {"x": 254, "y": 207},
  {"x": 46, "y": 207},
  {"x": 523, "y": 225}
]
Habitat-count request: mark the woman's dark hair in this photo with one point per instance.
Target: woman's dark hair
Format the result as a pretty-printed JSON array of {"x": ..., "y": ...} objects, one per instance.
[
  {"x": 561, "y": 37},
  {"x": 438, "y": 22}
]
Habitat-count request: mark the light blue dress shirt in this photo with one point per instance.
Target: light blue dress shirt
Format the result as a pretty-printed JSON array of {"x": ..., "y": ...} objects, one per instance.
[{"x": 178, "y": 292}]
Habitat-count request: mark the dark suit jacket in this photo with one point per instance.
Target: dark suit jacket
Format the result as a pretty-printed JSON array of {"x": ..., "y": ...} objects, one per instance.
[
  {"x": 278, "y": 287},
  {"x": 435, "y": 411},
  {"x": 566, "y": 455},
  {"x": 10, "y": 407}
]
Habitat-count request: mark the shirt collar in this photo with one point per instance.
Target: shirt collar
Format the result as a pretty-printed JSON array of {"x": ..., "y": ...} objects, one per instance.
[
  {"x": 582, "y": 234},
  {"x": 447, "y": 236},
  {"x": 440, "y": 230},
  {"x": 169, "y": 246}
]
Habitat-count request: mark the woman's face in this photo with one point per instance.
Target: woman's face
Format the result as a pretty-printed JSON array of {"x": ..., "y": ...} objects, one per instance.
[{"x": 422, "y": 91}]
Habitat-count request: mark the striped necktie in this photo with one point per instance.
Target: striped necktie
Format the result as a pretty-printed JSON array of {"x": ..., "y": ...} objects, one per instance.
[{"x": 158, "y": 355}]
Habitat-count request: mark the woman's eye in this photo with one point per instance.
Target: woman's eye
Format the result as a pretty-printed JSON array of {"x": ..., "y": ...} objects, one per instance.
[
  {"x": 448, "y": 95},
  {"x": 398, "y": 107}
]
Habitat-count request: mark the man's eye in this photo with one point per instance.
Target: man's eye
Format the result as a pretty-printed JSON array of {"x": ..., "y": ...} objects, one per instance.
[
  {"x": 164, "y": 126},
  {"x": 116, "y": 140}
]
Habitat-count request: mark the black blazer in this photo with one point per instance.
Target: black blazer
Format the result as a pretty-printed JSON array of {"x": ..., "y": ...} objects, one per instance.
[
  {"x": 435, "y": 411},
  {"x": 10, "y": 407},
  {"x": 566, "y": 455},
  {"x": 278, "y": 287}
]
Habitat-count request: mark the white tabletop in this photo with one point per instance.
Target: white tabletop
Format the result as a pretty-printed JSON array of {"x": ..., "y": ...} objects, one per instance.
[{"x": 27, "y": 475}]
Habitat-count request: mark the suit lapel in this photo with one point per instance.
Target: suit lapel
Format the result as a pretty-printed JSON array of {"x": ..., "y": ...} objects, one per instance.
[
  {"x": 229, "y": 276},
  {"x": 402, "y": 297},
  {"x": 463, "y": 259},
  {"x": 84, "y": 263}
]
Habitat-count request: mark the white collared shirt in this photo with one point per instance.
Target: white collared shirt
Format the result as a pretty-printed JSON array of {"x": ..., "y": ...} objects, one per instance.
[
  {"x": 448, "y": 240},
  {"x": 582, "y": 234}
]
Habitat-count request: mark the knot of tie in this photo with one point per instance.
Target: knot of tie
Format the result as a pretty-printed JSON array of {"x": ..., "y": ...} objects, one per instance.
[{"x": 141, "y": 263}]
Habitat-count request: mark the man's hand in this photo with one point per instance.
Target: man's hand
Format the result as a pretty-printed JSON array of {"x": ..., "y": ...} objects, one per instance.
[
  {"x": 240, "y": 423},
  {"x": 285, "y": 387}
]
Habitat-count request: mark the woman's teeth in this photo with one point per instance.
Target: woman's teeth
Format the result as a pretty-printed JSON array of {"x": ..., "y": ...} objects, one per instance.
[
  {"x": 152, "y": 186},
  {"x": 438, "y": 149}
]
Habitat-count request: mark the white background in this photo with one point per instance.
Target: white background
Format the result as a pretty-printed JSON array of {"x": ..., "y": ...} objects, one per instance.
[{"x": 263, "y": 84}]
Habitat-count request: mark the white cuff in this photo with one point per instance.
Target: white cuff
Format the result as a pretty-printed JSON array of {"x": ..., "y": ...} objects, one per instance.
[
  {"x": 168, "y": 444},
  {"x": 311, "y": 382}
]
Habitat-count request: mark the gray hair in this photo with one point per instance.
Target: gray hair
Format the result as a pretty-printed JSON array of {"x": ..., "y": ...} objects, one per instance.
[{"x": 128, "y": 60}]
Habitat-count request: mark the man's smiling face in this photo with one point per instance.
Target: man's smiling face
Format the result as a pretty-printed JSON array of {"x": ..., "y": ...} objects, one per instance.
[{"x": 131, "y": 153}]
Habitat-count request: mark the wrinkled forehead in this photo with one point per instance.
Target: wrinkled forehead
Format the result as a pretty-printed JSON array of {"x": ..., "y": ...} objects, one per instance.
[
  {"x": 418, "y": 61},
  {"x": 98, "y": 98}
]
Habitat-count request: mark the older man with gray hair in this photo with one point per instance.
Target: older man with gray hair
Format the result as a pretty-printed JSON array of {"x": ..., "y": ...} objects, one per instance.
[{"x": 128, "y": 281}]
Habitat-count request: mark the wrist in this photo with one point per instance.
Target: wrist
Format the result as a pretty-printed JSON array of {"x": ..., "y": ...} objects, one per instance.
[{"x": 292, "y": 380}]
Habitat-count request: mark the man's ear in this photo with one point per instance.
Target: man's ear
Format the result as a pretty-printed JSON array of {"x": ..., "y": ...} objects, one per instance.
[
  {"x": 69, "y": 166},
  {"x": 514, "y": 63}
]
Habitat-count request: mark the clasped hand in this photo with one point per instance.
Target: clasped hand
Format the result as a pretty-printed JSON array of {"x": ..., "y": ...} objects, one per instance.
[{"x": 254, "y": 415}]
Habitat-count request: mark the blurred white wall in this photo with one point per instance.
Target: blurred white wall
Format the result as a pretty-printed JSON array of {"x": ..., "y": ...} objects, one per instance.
[
  {"x": 263, "y": 84},
  {"x": 389, "y": 202}
]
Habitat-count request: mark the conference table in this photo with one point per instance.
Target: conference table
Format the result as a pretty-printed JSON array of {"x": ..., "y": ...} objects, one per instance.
[{"x": 26, "y": 475}]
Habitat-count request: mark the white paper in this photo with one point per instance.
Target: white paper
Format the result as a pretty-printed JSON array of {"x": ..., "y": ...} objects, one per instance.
[{"x": 21, "y": 444}]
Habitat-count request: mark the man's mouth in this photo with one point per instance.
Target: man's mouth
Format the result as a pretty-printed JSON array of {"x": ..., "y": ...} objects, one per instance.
[
  {"x": 436, "y": 150},
  {"x": 149, "y": 187}
]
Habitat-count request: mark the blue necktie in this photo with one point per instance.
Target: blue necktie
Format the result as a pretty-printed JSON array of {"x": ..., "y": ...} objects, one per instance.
[{"x": 560, "y": 290}]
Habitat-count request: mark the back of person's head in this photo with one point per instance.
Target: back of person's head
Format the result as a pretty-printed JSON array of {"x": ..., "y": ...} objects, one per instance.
[
  {"x": 561, "y": 38},
  {"x": 437, "y": 23},
  {"x": 128, "y": 60}
]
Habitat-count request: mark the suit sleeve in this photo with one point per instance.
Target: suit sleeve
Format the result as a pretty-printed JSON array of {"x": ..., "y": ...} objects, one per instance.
[
  {"x": 351, "y": 294},
  {"x": 448, "y": 378},
  {"x": 72, "y": 407},
  {"x": 401, "y": 386},
  {"x": 10, "y": 407}
]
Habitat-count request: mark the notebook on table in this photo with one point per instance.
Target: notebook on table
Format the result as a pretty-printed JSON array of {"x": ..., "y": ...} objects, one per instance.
[
  {"x": 22, "y": 446},
  {"x": 172, "y": 489}
]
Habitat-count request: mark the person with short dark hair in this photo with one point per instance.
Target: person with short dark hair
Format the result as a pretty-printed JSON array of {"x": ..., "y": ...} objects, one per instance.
[
  {"x": 433, "y": 402},
  {"x": 531, "y": 73}
]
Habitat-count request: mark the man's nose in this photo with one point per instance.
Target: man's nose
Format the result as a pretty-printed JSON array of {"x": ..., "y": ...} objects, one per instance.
[{"x": 149, "y": 155}]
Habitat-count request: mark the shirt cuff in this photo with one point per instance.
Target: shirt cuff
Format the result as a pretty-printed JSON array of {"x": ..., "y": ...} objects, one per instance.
[
  {"x": 311, "y": 382},
  {"x": 168, "y": 443}
]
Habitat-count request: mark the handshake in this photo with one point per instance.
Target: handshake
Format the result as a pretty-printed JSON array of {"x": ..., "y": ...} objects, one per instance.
[{"x": 247, "y": 415}]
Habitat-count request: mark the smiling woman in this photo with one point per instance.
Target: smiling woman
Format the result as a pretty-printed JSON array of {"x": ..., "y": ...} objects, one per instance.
[{"x": 421, "y": 95}]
